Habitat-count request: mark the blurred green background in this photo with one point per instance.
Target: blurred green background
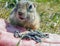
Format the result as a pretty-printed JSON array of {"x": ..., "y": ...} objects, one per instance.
[{"x": 49, "y": 11}]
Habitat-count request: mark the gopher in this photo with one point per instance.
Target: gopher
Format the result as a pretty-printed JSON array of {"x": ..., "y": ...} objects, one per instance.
[{"x": 24, "y": 14}]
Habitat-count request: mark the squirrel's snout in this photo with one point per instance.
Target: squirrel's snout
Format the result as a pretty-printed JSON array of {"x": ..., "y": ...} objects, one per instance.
[{"x": 20, "y": 13}]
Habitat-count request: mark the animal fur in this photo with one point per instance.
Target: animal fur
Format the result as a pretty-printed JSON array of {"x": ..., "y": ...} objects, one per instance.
[{"x": 21, "y": 15}]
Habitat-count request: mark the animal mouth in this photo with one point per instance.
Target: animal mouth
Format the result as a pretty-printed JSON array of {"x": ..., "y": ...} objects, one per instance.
[
  {"x": 21, "y": 15},
  {"x": 21, "y": 18}
]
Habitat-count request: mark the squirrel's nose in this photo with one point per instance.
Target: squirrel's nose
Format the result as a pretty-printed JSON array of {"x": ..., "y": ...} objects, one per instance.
[{"x": 20, "y": 13}]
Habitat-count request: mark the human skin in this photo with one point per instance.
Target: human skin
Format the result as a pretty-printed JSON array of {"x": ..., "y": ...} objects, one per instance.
[{"x": 7, "y": 37}]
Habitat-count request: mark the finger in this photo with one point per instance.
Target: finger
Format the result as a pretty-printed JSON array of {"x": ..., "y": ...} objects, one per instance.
[{"x": 7, "y": 39}]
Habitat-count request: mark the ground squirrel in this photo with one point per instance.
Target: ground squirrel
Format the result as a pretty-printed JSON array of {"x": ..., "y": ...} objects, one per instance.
[{"x": 25, "y": 15}]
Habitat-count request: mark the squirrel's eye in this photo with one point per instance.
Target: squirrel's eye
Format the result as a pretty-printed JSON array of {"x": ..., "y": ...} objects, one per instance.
[{"x": 30, "y": 7}]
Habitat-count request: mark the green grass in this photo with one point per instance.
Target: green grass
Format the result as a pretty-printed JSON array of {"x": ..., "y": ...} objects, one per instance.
[{"x": 49, "y": 12}]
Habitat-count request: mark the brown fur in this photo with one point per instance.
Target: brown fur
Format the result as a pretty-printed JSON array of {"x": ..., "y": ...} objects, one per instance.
[{"x": 30, "y": 17}]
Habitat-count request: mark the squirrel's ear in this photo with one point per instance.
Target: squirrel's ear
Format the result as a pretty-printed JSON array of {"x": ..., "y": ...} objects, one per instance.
[{"x": 35, "y": 4}]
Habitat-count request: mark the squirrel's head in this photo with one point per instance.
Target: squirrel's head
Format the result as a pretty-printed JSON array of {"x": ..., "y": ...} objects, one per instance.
[{"x": 24, "y": 11}]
